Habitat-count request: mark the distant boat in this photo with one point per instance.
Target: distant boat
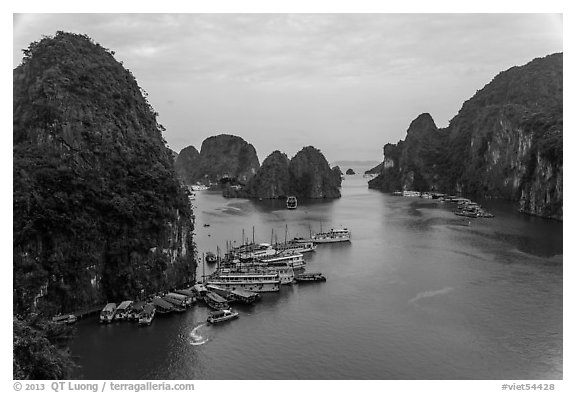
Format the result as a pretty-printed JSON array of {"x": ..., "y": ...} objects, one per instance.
[
  {"x": 332, "y": 236},
  {"x": 216, "y": 301},
  {"x": 107, "y": 313},
  {"x": 221, "y": 316},
  {"x": 210, "y": 257},
  {"x": 310, "y": 277},
  {"x": 291, "y": 202},
  {"x": 65, "y": 319},
  {"x": 123, "y": 310},
  {"x": 147, "y": 315}
]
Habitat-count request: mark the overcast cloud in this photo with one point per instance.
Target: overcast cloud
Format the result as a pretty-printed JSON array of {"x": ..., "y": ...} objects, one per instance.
[{"x": 344, "y": 83}]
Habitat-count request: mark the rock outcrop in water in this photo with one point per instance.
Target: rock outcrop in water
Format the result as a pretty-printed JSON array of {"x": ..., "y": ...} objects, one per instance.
[
  {"x": 221, "y": 156},
  {"x": 186, "y": 164},
  {"x": 350, "y": 171},
  {"x": 311, "y": 176},
  {"x": 98, "y": 211},
  {"x": 505, "y": 142},
  {"x": 307, "y": 175},
  {"x": 272, "y": 179}
]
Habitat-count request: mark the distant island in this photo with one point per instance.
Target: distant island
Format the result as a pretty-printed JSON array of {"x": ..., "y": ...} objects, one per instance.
[{"x": 505, "y": 142}]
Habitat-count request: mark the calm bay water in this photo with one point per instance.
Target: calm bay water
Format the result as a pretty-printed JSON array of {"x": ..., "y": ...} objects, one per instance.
[{"x": 419, "y": 293}]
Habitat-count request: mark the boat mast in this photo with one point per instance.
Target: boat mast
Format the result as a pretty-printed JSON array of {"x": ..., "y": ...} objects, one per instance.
[
  {"x": 286, "y": 234},
  {"x": 272, "y": 236},
  {"x": 203, "y": 273},
  {"x": 253, "y": 242},
  {"x": 243, "y": 242}
]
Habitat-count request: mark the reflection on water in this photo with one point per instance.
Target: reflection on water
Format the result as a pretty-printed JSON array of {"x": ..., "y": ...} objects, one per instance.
[{"x": 419, "y": 293}]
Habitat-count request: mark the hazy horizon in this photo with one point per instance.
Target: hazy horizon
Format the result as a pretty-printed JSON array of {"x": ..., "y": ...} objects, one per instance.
[{"x": 346, "y": 84}]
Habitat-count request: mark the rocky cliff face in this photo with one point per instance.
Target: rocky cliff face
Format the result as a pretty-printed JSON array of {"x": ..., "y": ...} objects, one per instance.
[
  {"x": 272, "y": 179},
  {"x": 98, "y": 211},
  {"x": 186, "y": 164},
  {"x": 505, "y": 142},
  {"x": 311, "y": 177},
  {"x": 307, "y": 175},
  {"x": 223, "y": 156}
]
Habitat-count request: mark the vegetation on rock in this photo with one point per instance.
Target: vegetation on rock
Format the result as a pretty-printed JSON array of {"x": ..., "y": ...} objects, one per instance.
[
  {"x": 98, "y": 211},
  {"x": 505, "y": 142},
  {"x": 221, "y": 156}
]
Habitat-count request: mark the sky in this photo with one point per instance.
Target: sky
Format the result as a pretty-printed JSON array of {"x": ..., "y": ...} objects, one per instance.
[{"x": 344, "y": 83}]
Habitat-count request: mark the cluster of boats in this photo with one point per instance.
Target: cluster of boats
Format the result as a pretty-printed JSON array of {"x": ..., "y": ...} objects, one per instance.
[
  {"x": 243, "y": 273},
  {"x": 144, "y": 311},
  {"x": 465, "y": 207}
]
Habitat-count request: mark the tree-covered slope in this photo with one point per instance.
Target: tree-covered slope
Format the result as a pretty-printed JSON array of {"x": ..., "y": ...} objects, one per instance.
[{"x": 98, "y": 211}]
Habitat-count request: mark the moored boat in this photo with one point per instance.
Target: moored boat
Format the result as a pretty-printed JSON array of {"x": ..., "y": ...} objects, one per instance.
[
  {"x": 107, "y": 313},
  {"x": 221, "y": 316},
  {"x": 291, "y": 202},
  {"x": 147, "y": 314},
  {"x": 216, "y": 301},
  {"x": 294, "y": 246},
  {"x": 255, "y": 282},
  {"x": 181, "y": 299},
  {"x": 135, "y": 310},
  {"x": 123, "y": 310},
  {"x": 332, "y": 236},
  {"x": 162, "y": 306},
  {"x": 310, "y": 277},
  {"x": 65, "y": 319},
  {"x": 210, "y": 257}
]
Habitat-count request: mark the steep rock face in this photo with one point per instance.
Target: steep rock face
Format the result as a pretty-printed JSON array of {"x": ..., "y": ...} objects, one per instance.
[
  {"x": 376, "y": 170},
  {"x": 186, "y": 163},
  {"x": 225, "y": 156},
  {"x": 98, "y": 211},
  {"x": 337, "y": 171},
  {"x": 272, "y": 179},
  {"x": 505, "y": 142},
  {"x": 311, "y": 176}
]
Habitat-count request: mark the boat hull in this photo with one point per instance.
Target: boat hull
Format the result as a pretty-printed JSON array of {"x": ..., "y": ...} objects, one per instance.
[{"x": 249, "y": 286}]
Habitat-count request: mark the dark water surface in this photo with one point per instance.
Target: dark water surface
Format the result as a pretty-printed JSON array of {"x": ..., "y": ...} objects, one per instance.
[{"x": 419, "y": 293}]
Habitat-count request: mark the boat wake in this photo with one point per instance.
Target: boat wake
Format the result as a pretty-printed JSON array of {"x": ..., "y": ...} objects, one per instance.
[
  {"x": 427, "y": 294},
  {"x": 196, "y": 338}
]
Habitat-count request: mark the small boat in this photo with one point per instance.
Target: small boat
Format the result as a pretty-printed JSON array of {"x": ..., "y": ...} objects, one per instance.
[
  {"x": 216, "y": 301},
  {"x": 147, "y": 315},
  {"x": 200, "y": 290},
  {"x": 123, "y": 310},
  {"x": 65, "y": 319},
  {"x": 162, "y": 306},
  {"x": 181, "y": 299},
  {"x": 206, "y": 225},
  {"x": 177, "y": 305},
  {"x": 210, "y": 257},
  {"x": 333, "y": 236},
  {"x": 187, "y": 292},
  {"x": 310, "y": 277},
  {"x": 107, "y": 313},
  {"x": 291, "y": 202},
  {"x": 221, "y": 316},
  {"x": 136, "y": 310}
]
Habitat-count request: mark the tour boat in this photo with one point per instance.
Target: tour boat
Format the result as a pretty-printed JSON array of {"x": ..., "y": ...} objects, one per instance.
[
  {"x": 332, "y": 236},
  {"x": 107, "y": 313},
  {"x": 123, "y": 310},
  {"x": 210, "y": 257},
  {"x": 221, "y": 316},
  {"x": 296, "y": 246},
  {"x": 65, "y": 319},
  {"x": 294, "y": 259},
  {"x": 216, "y": 301},
  {"x": 182, "y": 299},
  {"x": 162, "y": 306},
  {"x": 255, "y": 282},
  {"x": 291, "y": 202},
  {"x": 310, "y": 277},
  {"x": 136, "y": 310},
  {"x": 147, "y": 315}
]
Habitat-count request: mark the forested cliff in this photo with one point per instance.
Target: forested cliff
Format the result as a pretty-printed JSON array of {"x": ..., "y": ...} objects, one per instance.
[
  {"x": 505, "y": 142},
  {"x": 99, "y": 214}
]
